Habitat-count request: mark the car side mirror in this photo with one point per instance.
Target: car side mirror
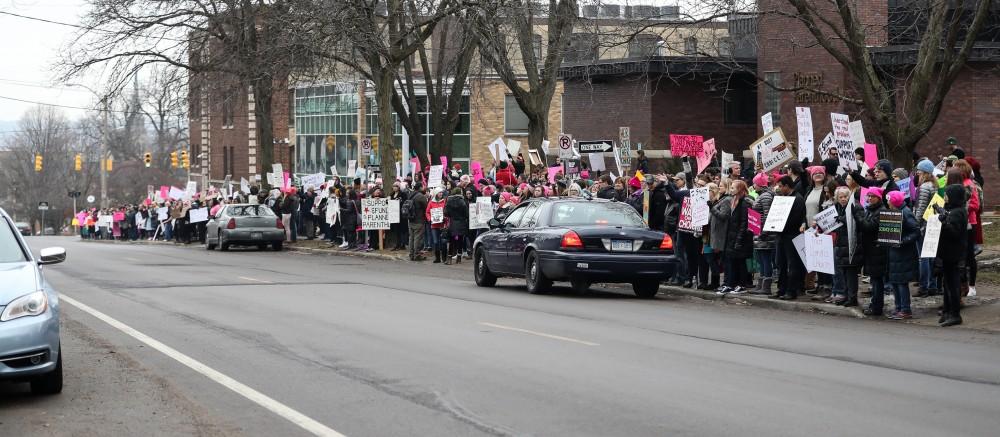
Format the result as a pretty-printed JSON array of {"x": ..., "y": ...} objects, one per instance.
[
  {"x": 494, "y": 223},
  {"x": 52, "y": 255}
]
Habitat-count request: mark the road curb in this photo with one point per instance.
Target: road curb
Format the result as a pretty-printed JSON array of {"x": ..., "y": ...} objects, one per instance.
[{"x": 765, "y": 302}]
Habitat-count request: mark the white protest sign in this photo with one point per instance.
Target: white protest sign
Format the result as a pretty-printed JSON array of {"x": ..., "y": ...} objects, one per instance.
[
  {"x": 826, "y": 146},
  {"x": 803, "y": 116},
  {"x": 332, "y": 210},
  {"x": 771, "y": 151},
  {"x": 513, "y": 146},
  {"x": 819, "y": 253},
  {"x": 244, "y": 185},
  {"x": 374, "y": 214},
  {"x": 161, "y": 213},
  {"x": 199, "y": 215},
  {"x": 726, "y": 159},
  {"x": 857, "y": 134},
  {"x": 434, "y": 178},
  {"x": 827, "y": 219},
  {"x": 176, "y": 193},
  {"x": 276, "y": 169},
  {"x": 545, "y": 147},
  {"x": 565, "y": 144},
  {"x": 781, "y": 206},
  {"x": 393, "y": 211},
  {"x": 800, "y": 246},
  {"x": 500, "y": 149},
  {"x": 596, "y": 161},
  {"x": 333, "y": 170},
  {"x": 700, "y": 212},
  {"x": 352, "y": 169},
  {"x": 480, "y": 213},
  {"x": 767, "y": 122},
  {"x": 315, "y": 179},
  {"x": 841, "y": 129},
  {"x": 932, "y": 238},
  {"x": 192, "y": 188},
  {"x": 437, "y": 215}
]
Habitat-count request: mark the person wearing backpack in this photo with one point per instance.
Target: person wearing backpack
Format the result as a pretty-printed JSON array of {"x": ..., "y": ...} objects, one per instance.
[{"x": 412, "y": 209}]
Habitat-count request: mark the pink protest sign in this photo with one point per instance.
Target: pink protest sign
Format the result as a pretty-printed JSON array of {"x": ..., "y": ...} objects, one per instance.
[
  {"x": 477, "y": 171},
  {"x": 553, "y": 171},
  {"x": 871, "y": 155},
  {"x": 164, "y": 192},
  {"x": 444, "y": 163},
  {"x": 288, "y": 181},
  {"x": 119, "y": 216},
  {"x": 705, "y": 157},
  {"x": 81, "y": 218},
  {"x": 415, "y": 163},
  {"x": 753, "y": 221},
  {"x": 686, "y": 145}
]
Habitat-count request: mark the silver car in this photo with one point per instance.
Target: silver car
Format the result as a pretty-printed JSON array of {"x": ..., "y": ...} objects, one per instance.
[
  {"x": 244, "y": 225},
  {"x": 29, "y": 314}
]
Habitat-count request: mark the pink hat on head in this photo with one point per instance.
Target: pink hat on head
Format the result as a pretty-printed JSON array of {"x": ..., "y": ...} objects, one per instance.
[
  {"x": 507, "y": 196},
  {"x": 760, "y": 180},
  {"x": 896, "y": 199},
  {"x": 875, "y": 192},
  {"x": 816, "y": 169}
]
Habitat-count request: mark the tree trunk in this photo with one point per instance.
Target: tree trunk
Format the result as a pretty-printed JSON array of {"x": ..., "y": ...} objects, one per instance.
[
  {"x": 537, "y": 130},
  {"x": 263, "y": 91},
  {"x": 386, "y": 146}
]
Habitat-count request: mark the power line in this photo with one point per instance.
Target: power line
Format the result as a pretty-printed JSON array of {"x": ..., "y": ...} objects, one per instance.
[{"x": 77, "y": 26}]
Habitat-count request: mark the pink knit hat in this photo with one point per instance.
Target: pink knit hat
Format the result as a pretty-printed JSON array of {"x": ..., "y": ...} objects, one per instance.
[
  {"x": 760, "y": 180},
  {"x": 816, "y": 169},
  {"x": 875, "y": 192},
  {"x": 895, "y": 199}
]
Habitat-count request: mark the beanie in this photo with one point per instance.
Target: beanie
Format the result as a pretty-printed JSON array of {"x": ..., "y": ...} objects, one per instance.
[
  {"x": 760, "y": 180},
  {"x": 816, "y": 169},
  {"x": 900, "y": 173},
  {"x": 895, "y": 199},
  {"x": 885, "y": 166},
  {"x": 926, "y": 166},
  {"x": 875, "y": 192}
]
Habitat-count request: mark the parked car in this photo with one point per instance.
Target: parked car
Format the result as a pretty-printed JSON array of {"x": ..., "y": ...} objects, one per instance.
[
  {"x": 244, "y": 225},
  {"x": 582, "y": 241},
  {"x": 29, "y": 314},
  {"x": 23, "y": 228}
]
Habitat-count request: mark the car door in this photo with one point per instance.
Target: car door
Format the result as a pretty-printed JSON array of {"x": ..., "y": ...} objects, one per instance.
[
  {"x": 212, "y": 227},
  {"x": 520, "y": 236},
  {"x": 501, "y": 242}
]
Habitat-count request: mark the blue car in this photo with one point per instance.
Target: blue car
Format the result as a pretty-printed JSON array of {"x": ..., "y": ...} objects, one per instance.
[{"x": 29, "y": 314}]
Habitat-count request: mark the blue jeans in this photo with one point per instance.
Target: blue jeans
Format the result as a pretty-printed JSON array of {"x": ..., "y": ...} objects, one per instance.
[
  {"x": 902, "y": 294},
  {"x": 168, "y": 231},
  {"x": 765, "y": 261},
  {"x": 878, "y": 293},
  {"x": 839, "y": 288},
  {"x": 437, "y": 240},
  {"x": 928, "y": 281},
  {"x": 296, "y": 216}
]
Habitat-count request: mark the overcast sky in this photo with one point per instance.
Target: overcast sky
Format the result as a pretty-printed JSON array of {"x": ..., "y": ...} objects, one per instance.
[{"x": 29, "y": 51}]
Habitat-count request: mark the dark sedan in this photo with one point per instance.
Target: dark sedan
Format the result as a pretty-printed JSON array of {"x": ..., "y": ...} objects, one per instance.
[{"x": 576, "y": 240}]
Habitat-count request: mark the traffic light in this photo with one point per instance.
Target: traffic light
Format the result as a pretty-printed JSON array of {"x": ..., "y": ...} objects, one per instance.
[
  {"x": 148, "y": 159},
  {"x": 38, "y": 162},
  {"x": 78, "y": 165},
  {"x": 184, "y": 159},
  {"x": 173, "y": 159},
  {"x": 111, "y": 162}
]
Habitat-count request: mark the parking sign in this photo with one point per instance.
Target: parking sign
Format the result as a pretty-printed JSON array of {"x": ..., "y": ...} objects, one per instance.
[{"x": 565, "y": 143}]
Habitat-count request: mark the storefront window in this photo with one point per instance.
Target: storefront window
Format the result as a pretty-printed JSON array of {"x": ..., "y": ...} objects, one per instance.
[{"x": 326, "y": 121}]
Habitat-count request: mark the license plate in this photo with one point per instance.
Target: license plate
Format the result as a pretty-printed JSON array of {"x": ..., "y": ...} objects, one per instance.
[
  {"x": 621, "y": 245},
  {"x": 256, "y": 235}
]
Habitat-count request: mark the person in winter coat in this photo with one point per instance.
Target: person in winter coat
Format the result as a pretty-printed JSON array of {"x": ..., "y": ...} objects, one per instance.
[
  {"x": 791, "y": 271},
  {"x": 903, "y": 258},
  {"x": 456, "y": 211},
  {"x": 739, "y": 241},
  {"x": 974, "y": 209},
  {"x": 349, "y": 218},
  {"x": 306, "y": 203},
  {"x": 718, "y": 223},
  {"x": 883, "y": 180},
  {"x": 620, "y": 194},
  {"x": 925, "y": 192},
  {"x": 657, "y": 202},
  {"x": 951, "y": 251},
  {"x": 847, "y": 259},
  {"x": 416, "y": 225},
  {"x": 435, "y": 215},
  {"x": 505, "y": 174},
  {"x": 687, "y": 246},
  {"x": 876, "y": 254},
  {"x": 763, "y": 244},
  {"x": 605, "y": 189}
]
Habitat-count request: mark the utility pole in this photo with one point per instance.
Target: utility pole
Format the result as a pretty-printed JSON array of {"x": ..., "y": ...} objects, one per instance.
[{"x": 104, "y": 151}]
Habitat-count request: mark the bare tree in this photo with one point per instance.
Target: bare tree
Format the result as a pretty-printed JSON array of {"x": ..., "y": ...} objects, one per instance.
[{"x": 165, "y": 105}]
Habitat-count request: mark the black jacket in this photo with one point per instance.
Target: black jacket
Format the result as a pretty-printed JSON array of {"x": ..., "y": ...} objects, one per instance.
[
  {"x": 876, "y": 255},
  {"x": 739, "y": 240},
  {"x": 606, "y": 193},
  {"x": 841, "y": 248},
  {"x": 349, "y": 214},
  {"x": 419, "y": 206},
  {"x": 796, "y": 217},
  {"x": 457, "y": 211},
  {"x": 657, "y": 204},
  {"x": 954, "y": 226}
]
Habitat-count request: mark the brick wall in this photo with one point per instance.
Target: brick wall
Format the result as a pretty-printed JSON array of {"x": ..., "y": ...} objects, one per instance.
[
  {"x": 486, "y": 102},
  {"x": 688, "y": 107}
]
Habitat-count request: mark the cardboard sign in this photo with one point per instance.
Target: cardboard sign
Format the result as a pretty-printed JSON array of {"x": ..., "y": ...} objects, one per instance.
[
  {"x": 841, "y": 130},
  {"x": 871, "y": 154},
  {"x": 707, "y": 152},
  {"x": 374, "y": 214},
  {"x": 753, "y": 221},
  {"x": 596, "y": 161},
  {"x": 315, "y": 180},
  {"x": 437, "y": 215},
  {"x": 803, "y": 116},
  {"x": 857, "y": 134},
  {"x": 819, "y": 253},
  {"x": 686, "y": 145},
  {"x": 771, "y": 151},
  {"x": 434, "y": 177},
  {"x": 827, "y": 220},
  {"x": 767, "y": 122},
  {"x": 932, "y": 237},
  {"x": 936, "y": 200},
  {"x": 199, "y": 215},
  {"x": 781, "y": 207},
  {"x": 890, "y": 227},
  {"x": 534, "y": 157}
]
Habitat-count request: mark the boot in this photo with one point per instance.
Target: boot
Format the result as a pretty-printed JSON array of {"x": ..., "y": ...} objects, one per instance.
[
  {"x": 458, "y": 258},
  {"x": 765, "y": 287},
  {"x": 437, "y": 256},
  {"x": 447, "y": 258}
]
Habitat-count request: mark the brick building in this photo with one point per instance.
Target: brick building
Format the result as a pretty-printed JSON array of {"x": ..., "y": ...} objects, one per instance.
[{"x": 788, "y": 56}]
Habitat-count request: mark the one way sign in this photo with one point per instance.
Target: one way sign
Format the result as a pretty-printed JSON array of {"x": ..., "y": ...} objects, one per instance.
[{"x": 596, "y": 146}]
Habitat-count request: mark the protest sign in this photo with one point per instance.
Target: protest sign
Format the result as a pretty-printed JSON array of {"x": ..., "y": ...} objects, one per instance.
[
  {"x": 315, "y": 180},
  {"x": 393, "y": 211},
  {"x": 686, "y": 145},
  {"x": 161, "y": 213},
  {"x": 287, "y": 181},
  {"x": 534, "y": 157},
  {"x": 841, "y": 129},
  {"x": 434, "y": 177},
  {"x": 857, "y": 135},
  {"x": 192, "y": 188},
  {"x": 199, "y": 215},
  {"x": 890, "y": 227},
  {"x": 803, "y": 117},
  {"x": 333, "y": 170},
  {"x": 686, "y": 221},
  {"x": 936, "y": 200},
  {"x": 437, "y": 215},
  {"x": 753, "y": 221},
  {"x": 176, "y": 193},
  {"x": 771, "y": 151},
  {"x": 553, "y": 171},
  {"x": 704, "y": 158},
  {"x": 699, "y": 206},
  {"x": 871, "y": 154},
  {"x": 164, "y": 192},
  {"x": 513, "y": 146},
  {"x": 819, "y": 253},
  {"x": 826, "y": 146},
  {"x": 726, "y": 159},
  {"x": 545, "y": 147},
  {"x": 332, "y": 210},
  {"x": 932, "y": 237},
  {"x": 904, "y": 187},
  {"x": 800, "y": 246},
  {"x": 485, "y": 204},
  {"x": 480, "y": 213},
  {"x": 477, "y": 171},
  {"x": 244, "y": 185},
  {"x": 352, "y": 169},
  {"x": 767, "y": 122},
  {"x": 827, "y": 220},
  {"x": 276, "y": 168},
  {"x": 374, "y": 214},
  {"x": 596, "y": 161},
  {"x": 119, "y": 216},
  {"x": 781, "y": 206},
  {"x": 414, "y": 165}
]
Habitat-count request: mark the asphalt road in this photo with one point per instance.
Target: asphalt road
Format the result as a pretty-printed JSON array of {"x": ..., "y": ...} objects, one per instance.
[{"x": 380, "y": 348}]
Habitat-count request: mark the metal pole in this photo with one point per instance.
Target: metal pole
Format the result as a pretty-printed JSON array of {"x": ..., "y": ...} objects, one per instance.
[{"x": 104, "y": 151}]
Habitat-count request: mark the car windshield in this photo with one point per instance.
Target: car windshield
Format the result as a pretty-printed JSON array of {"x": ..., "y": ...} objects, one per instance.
[
  {"x": 594, "y": 213},
  {"x": 249, "y": 211},
  {"x": 10, "y": 248}
]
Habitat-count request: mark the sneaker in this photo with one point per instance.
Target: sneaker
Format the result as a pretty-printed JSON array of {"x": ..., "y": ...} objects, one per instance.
[
  {"x": 343, "y": 245},
  {"x": 901, "y": 315},
  {"x": 737, "y": 290},
  {"x": 722, "y": 291}
]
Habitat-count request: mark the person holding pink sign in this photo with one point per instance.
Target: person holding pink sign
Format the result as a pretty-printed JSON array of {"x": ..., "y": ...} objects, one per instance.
[{"x": 763, "y": 243}]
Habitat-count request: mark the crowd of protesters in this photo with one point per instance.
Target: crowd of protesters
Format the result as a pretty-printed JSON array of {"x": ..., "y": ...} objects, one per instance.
[{"x": 723, "y": 256}]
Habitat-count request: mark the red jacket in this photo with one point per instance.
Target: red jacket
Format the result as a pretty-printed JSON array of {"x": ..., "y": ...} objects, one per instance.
[
  {"x": 505, "y": 176},
  {"x": 435, "y": 204}
]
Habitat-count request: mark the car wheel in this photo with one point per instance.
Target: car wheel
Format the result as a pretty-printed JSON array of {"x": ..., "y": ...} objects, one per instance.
[
  {"x": 50, "y": 383},
  {"x": 580, "y": 285},
  {"x": 536, "y": 280},
  {"x": 276, "y": 246},
  {"x": 208, "y": 244},
  {"x": 223, "y": 244},
  {"x": 646, "y": 289},
  {"x": 484, "y": 278}
]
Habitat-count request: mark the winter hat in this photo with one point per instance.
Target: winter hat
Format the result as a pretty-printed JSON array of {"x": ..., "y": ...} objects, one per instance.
[
  {"x": 926, "y": 166},
  {"x": 875, "y": 192},
  {"x": 955, "y": 193},
  {"x": 959, "y": 153},
  {"x": 895, "y": 199},
  {"x": 816, "y": 169},
  {"x": 831, "y": 164},
  {"x": 885, "y": 166},
  {"x": 900, "y": 173},
  {"x": 760, "y": 180},
  {"x": 634, "y": 183},
  {"x": 507, "y": 196}
]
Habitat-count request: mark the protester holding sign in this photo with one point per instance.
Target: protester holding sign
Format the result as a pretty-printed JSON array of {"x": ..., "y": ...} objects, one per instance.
[
  {"x": 739, "y": 240},
  {"x": 926, "y": 191},
  {"x": 951, "y": 256},
  {"x": 456, "y": 212},
  {"x": 902, "y": 258},
  {"x": 435, "y": 215},
  {"x": 791, "y": 270},
  {"x": 875, "y": 253},
  {"x": 764, "y": 242},
  {"x": 847, "y": 259}
]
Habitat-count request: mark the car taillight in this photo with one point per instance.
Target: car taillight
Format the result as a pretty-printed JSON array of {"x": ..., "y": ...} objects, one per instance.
[
  {"x": 279, "y": 224},
  {"x": 571, "y": 240},
  {"x": 231, "y": 224},
  {"x": 667, "y": 243}
]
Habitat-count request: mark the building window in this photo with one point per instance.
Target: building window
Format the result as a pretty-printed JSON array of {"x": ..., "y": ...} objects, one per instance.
[
  {"x": 726, "y": 46},
  {"x": 741, "y": 100},
  {"x": 772, "y": 97},
  {"x": 645, "y": 45},
  {"x": 232, "y": 160},
  {"x": 195, "y": 102},
  {"x": 460, "y": 141},
  {"x": 582, "y": 47},
  {"x": 690, "y": 46},
  {"x": 326, "y": 127},
  {"x": 536, "y": 43},
  {"x": 227, "y": 113},
  {"x": 515, "y": 121}
]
